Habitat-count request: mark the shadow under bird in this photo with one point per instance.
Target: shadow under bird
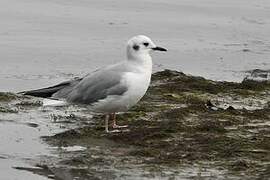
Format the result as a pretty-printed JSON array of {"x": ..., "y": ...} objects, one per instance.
[{"x": 112, "y": 89}]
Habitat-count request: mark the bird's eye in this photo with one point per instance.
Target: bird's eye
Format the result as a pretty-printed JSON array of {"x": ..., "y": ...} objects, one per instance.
[
  {"x": 136, "y": 47},
  {"x": 146, "y": 44}
]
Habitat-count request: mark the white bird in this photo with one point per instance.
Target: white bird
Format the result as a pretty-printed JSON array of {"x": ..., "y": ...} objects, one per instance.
[{"x": 112, "y": 89}]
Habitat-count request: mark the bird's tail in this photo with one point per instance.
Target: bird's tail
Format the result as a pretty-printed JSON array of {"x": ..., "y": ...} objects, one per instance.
[{"x": 45, "y": 92}]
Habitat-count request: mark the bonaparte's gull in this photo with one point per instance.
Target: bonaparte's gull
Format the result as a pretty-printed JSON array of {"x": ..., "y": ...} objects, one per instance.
[{"x": 112, "y": 89}]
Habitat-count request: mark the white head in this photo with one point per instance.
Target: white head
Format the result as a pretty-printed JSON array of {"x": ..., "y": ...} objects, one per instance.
[{"x": 140, "y": 46}]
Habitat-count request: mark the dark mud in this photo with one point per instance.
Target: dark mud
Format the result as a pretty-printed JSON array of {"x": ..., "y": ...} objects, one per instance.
[{"x": 185, "y": 127}]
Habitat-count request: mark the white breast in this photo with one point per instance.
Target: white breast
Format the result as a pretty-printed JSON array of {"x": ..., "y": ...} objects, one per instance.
[{"x": 137, "y": 84}]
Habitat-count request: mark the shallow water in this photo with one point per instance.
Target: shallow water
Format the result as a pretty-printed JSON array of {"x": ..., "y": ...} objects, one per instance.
[
  {"x": 45, "y": 42},
  {"x": 21, "y": 144}
]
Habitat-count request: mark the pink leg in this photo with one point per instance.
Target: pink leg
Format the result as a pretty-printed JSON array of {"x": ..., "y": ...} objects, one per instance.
[
  {"x": 107, "y": 118},
  {"x": 107, "y": 123},
  {"x": 114, "y": 125}
]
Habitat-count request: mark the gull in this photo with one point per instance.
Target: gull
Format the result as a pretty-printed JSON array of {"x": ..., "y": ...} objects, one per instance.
[{"x": 109, "y": 90}]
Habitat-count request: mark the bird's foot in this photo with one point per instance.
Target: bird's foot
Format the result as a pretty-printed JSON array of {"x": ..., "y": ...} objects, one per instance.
[
  {"x": 115, "y": 126},
  {"x": 117, "y": 131},
  {"x": 113, "y": 131}
]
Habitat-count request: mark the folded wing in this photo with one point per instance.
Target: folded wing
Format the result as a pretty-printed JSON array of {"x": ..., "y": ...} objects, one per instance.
[
  {"x": 87, "y": 90},
  {"x": 96, "y": 87}
]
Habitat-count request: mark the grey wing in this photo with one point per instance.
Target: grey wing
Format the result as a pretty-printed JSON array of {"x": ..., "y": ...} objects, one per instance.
[
  {"x": 63, "y": 92},
  {"x": 97, "y": 86}
]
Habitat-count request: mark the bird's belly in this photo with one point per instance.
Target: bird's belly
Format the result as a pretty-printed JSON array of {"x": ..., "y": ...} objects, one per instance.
[{"x": 137, "y": 86}]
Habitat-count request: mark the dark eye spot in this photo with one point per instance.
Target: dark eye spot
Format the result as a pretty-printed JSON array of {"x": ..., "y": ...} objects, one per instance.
[
  {"x": 136, "y": 47},
  {"x": 146, "y": 44}
]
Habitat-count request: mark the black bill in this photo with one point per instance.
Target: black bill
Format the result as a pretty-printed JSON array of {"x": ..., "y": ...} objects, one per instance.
[{"x": 159, "y": 49}]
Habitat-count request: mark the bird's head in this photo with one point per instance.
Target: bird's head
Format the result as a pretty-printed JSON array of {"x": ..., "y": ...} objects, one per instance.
[{"x": 139, "y": 46}]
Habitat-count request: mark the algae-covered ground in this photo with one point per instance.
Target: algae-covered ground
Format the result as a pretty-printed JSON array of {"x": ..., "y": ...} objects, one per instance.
[{"x": 185, "y": 127}]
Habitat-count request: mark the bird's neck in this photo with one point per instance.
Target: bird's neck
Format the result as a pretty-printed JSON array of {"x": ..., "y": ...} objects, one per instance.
[{"x": 143, "y": 61}]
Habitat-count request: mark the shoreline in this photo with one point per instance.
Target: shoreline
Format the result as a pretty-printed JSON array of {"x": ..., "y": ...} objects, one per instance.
[{"x": 185, "y": 126}]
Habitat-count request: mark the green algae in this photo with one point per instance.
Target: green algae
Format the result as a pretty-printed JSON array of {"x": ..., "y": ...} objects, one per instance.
[
  {"x": 4, "y": 109},
  {"x": 7, "y": 97},
  {"x": 175, "y": 82},
  {"x": 172, "y": 126}
]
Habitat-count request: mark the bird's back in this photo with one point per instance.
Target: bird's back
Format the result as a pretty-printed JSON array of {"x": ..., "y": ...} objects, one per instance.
[{"x": 95, "y": 86}]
